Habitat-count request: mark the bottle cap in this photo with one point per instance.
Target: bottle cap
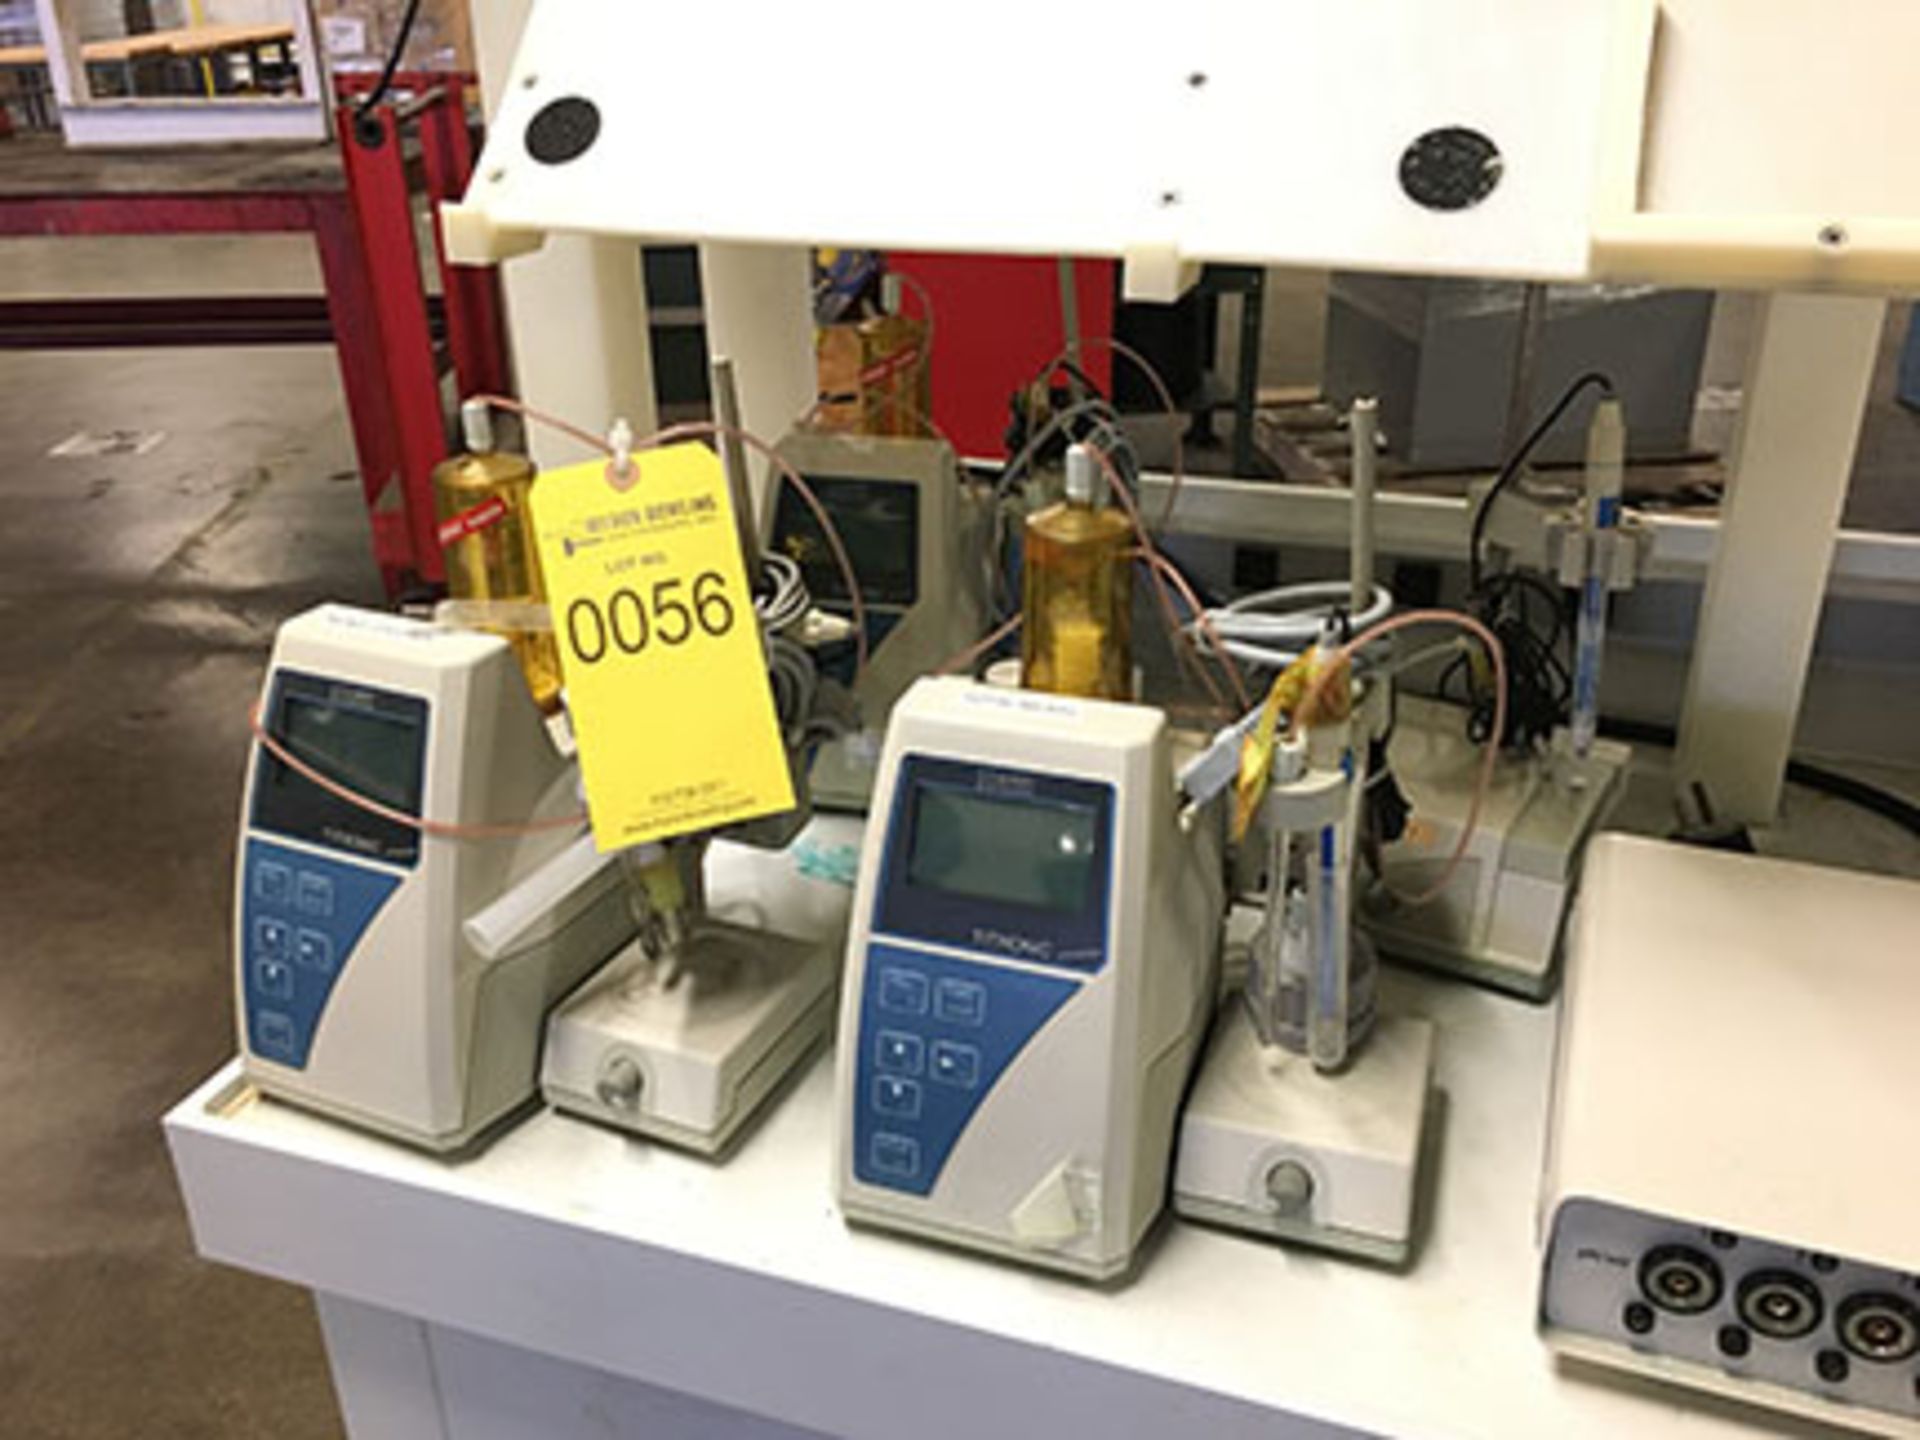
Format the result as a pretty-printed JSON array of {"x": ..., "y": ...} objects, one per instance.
[
  {"x": 476, "y": 426},
  {"x": 1085, "y": 484}
]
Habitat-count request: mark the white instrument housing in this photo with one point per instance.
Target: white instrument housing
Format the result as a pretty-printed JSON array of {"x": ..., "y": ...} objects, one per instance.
[
  {"x": 1030, "y": 969},
  {"x": 1730, "y": 1179},
  {"x": 356, "y": 989}
]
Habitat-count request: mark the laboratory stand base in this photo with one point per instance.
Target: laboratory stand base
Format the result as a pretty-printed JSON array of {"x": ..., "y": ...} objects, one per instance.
[
  {"x": 687, "y": 1051},
  {"x": 1270, "y": 1145},
  {"x": 1499, "y": 920}
]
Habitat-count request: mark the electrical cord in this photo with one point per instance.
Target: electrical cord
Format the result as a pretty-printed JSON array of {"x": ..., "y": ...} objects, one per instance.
[
  {"x": 1124, "y": 351},
  {"x": 1529, "y": 615},
  {"x": 394, "y": 55},
  {"x": 1531, "y": 619},
  {"x": 708, "y": 430},
  {"x": 1253, "y": 627},
  {"x": 1163, "y": 571},
  {"x": 1895, "y": 809},
  {"x": 438, "y": 829},
  {"x": 1519, "y": 458},
  {"x": 787, "y": 603}
]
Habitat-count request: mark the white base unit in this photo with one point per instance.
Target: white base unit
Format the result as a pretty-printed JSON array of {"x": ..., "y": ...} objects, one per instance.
[
  {"x": 1729, "y": 1197},
  {"x": 1270, "y": 1145},
  {"x": 686, "y": 1051},
  {"x": 1499, "y": 921},
  {"x": 1030, "y": 971}
]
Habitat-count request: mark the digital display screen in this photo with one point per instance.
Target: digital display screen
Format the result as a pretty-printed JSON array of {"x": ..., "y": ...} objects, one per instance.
[
  {"x": 879, "y": 523},
  {"x": 375, "y": 755},
  {"x": 1013, "y": 849}
]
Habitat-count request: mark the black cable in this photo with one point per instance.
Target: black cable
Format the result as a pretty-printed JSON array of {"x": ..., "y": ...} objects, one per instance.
[
  {"x": 385, "y": 83},
  {"x": 1884, "y": 803},
  {"x": 1530, "y": 619},
  {"x": 1519, "y": 458}
]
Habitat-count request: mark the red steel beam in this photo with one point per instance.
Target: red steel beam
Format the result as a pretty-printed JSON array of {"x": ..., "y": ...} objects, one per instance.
[
  {"x": 474, "y": 332},
  {"x": 383, "y": 214},
  {"x": 363, "y": 378},
  {"x": 160, "y": 213}
]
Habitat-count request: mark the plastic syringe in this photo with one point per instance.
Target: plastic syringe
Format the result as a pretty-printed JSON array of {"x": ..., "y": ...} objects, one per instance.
[{"x": 1606, "y": 464}]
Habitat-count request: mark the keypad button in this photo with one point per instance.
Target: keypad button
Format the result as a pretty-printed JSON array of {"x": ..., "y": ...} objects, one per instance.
[
  {"x": 960, "y": 1002},
  {"x": 895, "y": 1155},
  {"x": 272, "y": 882},
  {"x": 896, "y": 1098},
  {"x": 274, "y": 979},
  {"x": 955, "y": 1064},
  {"x": 273, "y": 1034},
  {"x": 904, "y": 992},
  {"x": 899, "y": 1052},
  {"x": 314, "y": 895},
  {"x": 272, "y": 938},
  {"x": 314, "y": 950}
]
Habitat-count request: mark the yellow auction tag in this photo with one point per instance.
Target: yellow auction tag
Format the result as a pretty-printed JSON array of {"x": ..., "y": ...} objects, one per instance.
[{"x": 666, "y": 680}]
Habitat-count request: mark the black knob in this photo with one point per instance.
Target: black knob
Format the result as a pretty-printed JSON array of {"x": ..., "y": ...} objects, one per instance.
[
  {"x": 563, "y": 130},
  {"x": 1733, "y": 1341},
  {"x": 1453, "y": 168},
  {"x": 1637, "y": 1317},
  {"x": 1831, "y": 1365}
]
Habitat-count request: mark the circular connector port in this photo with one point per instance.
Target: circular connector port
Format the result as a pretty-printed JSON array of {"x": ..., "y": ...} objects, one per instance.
[
  {"x": 1680, "y": 1279},
  {"x": 1780, "y": 1304},
  {"x": 1879, "y": 1327}
]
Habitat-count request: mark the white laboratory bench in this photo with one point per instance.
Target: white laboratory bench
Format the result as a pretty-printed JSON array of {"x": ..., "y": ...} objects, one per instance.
[{"x": 569, "y": 1281}]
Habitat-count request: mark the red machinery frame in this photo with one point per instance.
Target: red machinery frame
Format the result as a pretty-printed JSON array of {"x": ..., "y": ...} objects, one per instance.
[
  {"x": 413, "y": 439},
  {"x": 382, "y": 323}
]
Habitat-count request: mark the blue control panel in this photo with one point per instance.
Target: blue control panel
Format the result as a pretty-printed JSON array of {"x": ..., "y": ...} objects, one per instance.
[
  {"x": 300, "y": 918},
  {"x": 936, "y": 1033}
]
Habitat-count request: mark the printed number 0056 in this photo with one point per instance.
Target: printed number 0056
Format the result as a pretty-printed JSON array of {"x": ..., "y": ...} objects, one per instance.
[{"x": 628, "y": 623}]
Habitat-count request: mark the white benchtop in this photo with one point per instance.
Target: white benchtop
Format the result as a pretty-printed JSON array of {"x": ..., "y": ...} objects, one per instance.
[{"x": 740, "y": 1284}]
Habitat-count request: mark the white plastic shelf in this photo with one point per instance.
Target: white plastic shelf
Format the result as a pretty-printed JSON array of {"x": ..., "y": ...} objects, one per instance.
[{"x": 739, "y": 1284}]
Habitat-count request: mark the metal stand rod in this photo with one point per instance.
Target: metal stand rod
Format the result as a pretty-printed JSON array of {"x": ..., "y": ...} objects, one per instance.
[{"x": 1364, "y": 435}]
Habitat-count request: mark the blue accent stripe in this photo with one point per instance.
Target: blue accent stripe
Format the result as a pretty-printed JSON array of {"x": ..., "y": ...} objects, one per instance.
[
  {"x": 936, "y": 1035},
  {"x": 301, "y": 917}
]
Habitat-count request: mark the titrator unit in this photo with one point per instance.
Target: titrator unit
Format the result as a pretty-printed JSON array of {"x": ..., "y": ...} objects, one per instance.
[
  {"x": 916, "y": 534},
  {"x": 359, "y": 992},
  {"x": 1030, "y": 969},
  {"x": 1729, "y": 1194}
]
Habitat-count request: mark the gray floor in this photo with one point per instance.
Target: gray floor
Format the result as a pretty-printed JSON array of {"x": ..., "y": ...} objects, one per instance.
[{"x": 139, "y": 596}]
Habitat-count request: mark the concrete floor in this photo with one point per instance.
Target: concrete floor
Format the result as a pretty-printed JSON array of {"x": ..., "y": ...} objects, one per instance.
[{"x": 138, "y": 598}]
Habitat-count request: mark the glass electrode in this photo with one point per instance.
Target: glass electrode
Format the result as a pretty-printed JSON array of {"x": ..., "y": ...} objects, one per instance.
[
  {"x": 1076, "y": 632},
  {"x": 1606, "y": 463}
]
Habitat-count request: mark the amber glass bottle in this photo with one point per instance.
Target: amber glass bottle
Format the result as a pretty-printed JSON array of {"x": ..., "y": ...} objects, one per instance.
[
  {"x": 1076, "y": 630},
  {"x": 486, "y": 533}
]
